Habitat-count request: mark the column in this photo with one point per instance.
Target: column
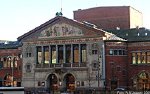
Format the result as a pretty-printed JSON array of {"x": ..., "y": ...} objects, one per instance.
[
  {"x": 71, "y": 54},
  {"x": 64, "y": 53},
  {"x": 56, "y": 54},
  {"x": 50, "y": 56},
  {"x": 79, "y": 54},
  {"x": 42, "y": 56}
]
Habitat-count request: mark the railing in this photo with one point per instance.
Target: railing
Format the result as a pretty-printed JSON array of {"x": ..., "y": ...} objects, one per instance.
[{"x": 69, "y": 65}]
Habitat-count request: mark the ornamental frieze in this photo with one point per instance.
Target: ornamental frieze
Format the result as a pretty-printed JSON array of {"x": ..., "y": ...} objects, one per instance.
[
  {"x": 61, "y": 30},
  {"x": 69, "y": 41}
]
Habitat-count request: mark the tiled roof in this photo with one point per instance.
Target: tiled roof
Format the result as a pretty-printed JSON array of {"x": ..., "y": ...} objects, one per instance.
[{"x": 135, "y": 34}]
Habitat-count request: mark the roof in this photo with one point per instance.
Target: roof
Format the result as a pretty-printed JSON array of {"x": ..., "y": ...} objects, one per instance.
[
  {"x": 89, "y": 26},
  {"x": 134, "y": 34},
  {"x": 58, "y": 18},
  {"x": 9, "y": 44}
]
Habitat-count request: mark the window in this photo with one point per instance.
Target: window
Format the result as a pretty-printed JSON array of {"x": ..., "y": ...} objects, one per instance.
[
  {"x": 117, "y": 52},
  {"x": 82, "y": 83},
  {"x": 83, "y": 53},
  {"x": 15, "y": 62},
  {"x": 110, "y": 52},
  {"x": 76, "y": 53},
  {"x": 60, "y": 54},
  {"x": 53, "y": 52},
  {"x": 133, "y": 58},
  {"x": 68, "y": 53},
  {"x": 143, "y": 57},
  {"x": 140, "y": 57},
  {"x": 39, "y": 55},
  {"x": 28, "y": 54},
  {"x": 94, "y": 52},
  {"x": 46, "y": 54},
  {"x": 148, "y": 57}
]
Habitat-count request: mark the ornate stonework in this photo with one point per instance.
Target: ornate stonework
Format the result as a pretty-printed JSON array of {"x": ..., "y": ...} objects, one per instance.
[{"x": 60, "y": 30}]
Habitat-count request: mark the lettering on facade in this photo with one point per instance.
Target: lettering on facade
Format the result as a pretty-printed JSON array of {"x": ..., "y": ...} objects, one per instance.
[{"x": 60, "y": 30}]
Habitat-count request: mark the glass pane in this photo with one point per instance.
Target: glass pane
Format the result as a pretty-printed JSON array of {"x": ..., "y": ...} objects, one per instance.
[
  {"x": 76, "y": 53},
  {"x": 83, "y": 52},
  {"x": 39, "y": 55},
  {"x": 133, "y": 58},
  {"x": 68, "y": 53},
  {"x": 148, "y": 57},
  {"x": 9, "y": 62},
  {"x": 60, "y": 54},
  {"x": 110, "y": 52},
  {"x": 115, "y": 52},
  {"x": 143, "y": 57},
  {"x": 5, "y": 62},
  {"x": 138, "y": 57},
  {"x": 46, "y": 54},
  {"x": 53, "y": 48}
]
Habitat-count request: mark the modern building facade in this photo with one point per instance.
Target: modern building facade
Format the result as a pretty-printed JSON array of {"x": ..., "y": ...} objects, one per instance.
[
  {"x": 63, "y": 55},
  {"x": 10, "y": 64},
  {"x": 111, "y": 17}
]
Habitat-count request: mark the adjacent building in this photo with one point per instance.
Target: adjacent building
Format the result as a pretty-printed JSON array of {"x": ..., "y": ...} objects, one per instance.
[
  {"x": 10, "y": 64},
  {"x": 127, "y": 63},
  {"x": 111, "y": 17}
]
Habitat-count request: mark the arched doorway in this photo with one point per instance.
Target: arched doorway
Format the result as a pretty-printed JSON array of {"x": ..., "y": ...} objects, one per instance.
[
  {"x": 142, "y": 81},
  {"x": 69, "y": 82},
  {"x": 8, "y": 80},
  {"x": 52, "y": 83}
]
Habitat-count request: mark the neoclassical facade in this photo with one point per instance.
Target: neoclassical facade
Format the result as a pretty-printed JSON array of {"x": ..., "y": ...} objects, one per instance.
[{"x": 63, "y": 55}]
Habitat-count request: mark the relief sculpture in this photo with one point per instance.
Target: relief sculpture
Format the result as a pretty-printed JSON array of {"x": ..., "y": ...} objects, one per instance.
[{"x": 60, "y": 30}]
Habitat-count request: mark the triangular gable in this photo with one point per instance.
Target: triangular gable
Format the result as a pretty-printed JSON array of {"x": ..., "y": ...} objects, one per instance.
[{"x": 61, "y": 27}]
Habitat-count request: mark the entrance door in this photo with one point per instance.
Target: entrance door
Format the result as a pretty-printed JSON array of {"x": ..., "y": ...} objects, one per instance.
[
  {"x": 69, "y": 80},
  {"x": 52, "y": 83}
]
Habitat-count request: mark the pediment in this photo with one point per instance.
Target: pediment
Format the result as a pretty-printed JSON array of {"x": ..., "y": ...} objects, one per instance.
[
  {"x": 61, "y": 30},
  {"x": 61, "y": 27}
]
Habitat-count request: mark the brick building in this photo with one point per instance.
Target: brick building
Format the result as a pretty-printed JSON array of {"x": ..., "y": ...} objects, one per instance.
[
  {"x": 129, "y": 69},
  {"x": 111, "y": 17},
  {"x": 10, "y": 64}
]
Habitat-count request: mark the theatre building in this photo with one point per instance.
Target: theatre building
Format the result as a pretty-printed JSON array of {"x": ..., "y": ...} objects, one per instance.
[{"x": 63, "y": 55}]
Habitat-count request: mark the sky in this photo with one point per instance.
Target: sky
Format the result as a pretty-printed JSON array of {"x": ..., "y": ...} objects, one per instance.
[{"x": 20, "y": 16}]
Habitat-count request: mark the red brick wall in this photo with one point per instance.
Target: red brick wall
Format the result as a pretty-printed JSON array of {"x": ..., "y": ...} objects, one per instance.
[
  {"x": 134, "y": 70},
  {"x": 17, "y": 72},
  {"x": 105, "y": 17},
  {"x": 118, "y": 61}
]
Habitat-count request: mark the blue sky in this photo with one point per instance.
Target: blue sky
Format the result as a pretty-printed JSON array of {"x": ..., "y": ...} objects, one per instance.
[{"x": 20, "y": 16}]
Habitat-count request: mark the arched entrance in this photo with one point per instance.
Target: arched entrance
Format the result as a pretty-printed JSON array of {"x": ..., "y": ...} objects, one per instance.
[
  {"x": 8, "y": 80},
  {"x": 142, "y": 81},
  {"x": 52, "y": 83},
  {"x": 69, "y": 82}
]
